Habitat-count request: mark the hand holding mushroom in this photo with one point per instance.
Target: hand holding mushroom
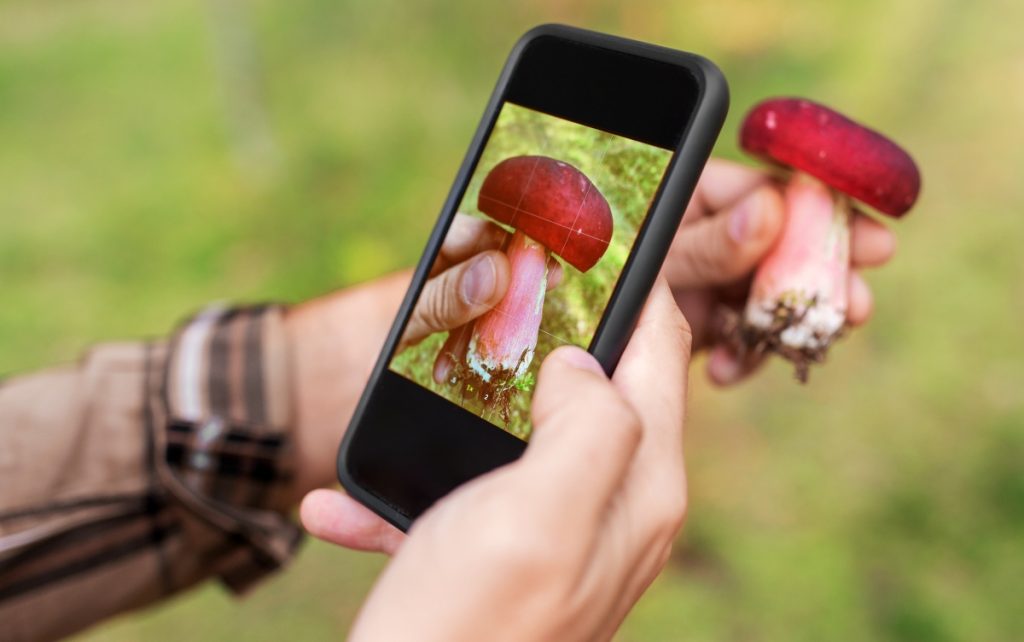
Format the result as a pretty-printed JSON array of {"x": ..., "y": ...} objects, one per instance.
[
  {"x": 468, "y": 278},
  {"x": 737, "y": 220}
]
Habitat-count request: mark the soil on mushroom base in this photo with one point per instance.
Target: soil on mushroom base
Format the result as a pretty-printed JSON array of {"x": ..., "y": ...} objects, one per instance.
[
  {"x": 747, "y": 340},
  {"x": 485, "y": 397}
]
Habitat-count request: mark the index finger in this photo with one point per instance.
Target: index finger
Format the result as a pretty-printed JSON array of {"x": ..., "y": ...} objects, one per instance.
[
  {"x": 723, "y": 183},
  {"x": 652, "y": 376},
  {"x": 585, "y": 436},
  {"x": 467, "y": 236},
  {"x": 871, "y": 243},
  {"x": 335, "y": 517}
]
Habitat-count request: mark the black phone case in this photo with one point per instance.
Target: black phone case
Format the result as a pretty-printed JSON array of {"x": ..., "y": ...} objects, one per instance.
[{"x": 650, "y": 248}]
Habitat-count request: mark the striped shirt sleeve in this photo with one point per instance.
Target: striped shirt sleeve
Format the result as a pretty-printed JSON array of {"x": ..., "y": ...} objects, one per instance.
[{"x": 145, "y": 470}]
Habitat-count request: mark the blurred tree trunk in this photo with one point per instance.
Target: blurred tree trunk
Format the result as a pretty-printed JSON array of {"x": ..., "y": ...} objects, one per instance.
[{"x": 242, "y": 88}]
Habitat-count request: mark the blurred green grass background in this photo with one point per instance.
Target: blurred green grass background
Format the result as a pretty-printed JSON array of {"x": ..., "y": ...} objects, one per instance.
[{"x": 156, "y": 156}]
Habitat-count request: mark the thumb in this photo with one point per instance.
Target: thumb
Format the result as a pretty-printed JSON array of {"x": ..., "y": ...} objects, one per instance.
[
  {"x": 585, "y": 435},
  {"x": 458, "y": 295},
  {"x": 727, "y": 246}
]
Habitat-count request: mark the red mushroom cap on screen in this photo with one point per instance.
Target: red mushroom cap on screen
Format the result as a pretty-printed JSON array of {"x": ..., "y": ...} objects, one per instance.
[
  {"x": 553, "y": 203},
  {"x": 841, "y": 153}
]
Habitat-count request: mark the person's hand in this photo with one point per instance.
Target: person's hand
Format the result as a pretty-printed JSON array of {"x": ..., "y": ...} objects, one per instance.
[
  {"x": 732, "y": 221},
  {"x": 560, "y": 544},
  {"x": 468, "y": 278}
]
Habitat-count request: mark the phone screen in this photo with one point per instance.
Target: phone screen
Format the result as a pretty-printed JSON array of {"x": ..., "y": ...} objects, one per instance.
[{"x": 563, "y": 203}]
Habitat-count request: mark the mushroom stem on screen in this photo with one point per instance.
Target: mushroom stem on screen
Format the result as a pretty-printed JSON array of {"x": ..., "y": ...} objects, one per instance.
[{"x": 504, "y": 339}]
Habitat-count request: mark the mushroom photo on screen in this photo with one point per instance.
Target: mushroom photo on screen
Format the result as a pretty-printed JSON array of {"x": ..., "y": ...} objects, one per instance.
[{"x": 552, "y": 208}]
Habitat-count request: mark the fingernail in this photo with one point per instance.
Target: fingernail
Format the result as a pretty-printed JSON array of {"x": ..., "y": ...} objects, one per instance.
[
  {"x": 441, "y": 368},
  {"x": 723, "y": 366},
  {"x": 744, "y": 220},
  {"x": 478, "y": 281},
  {"x": 579, "y": 358}
]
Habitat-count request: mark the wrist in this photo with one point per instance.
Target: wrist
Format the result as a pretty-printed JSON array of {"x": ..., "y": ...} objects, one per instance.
[{"x": 334, "y": 342}]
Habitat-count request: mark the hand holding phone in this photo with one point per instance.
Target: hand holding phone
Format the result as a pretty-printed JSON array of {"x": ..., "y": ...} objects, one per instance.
[
  {"x": 579, "y": 174},
  {"x": 560, "y": 544}
]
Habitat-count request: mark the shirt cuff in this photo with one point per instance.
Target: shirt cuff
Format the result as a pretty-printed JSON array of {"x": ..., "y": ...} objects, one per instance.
[{"x": 224, "y": 443}]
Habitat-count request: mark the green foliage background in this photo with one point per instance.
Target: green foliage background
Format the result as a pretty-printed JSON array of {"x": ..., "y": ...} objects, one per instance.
[
  {"x": 142, "y": 175},
  {"x": 626, "y": 173}
]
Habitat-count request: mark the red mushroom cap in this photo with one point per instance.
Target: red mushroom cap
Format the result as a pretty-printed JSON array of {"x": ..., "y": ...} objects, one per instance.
[
  {"x": 553, "y": 203},
  {"x": 841, "y": 153}
]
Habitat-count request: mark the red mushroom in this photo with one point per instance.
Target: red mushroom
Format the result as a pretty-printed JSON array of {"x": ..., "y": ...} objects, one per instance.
[
  {"x": 554, "y": 208},
  {"x": 797, "y": 305}
]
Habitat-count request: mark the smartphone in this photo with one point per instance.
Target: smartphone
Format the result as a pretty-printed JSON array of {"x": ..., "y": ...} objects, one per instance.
[{"x": 579, "y": 172}]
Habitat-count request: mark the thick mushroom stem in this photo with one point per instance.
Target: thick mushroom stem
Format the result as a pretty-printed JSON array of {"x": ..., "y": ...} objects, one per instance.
[
  {"x": 504, "y": 338},
  {"x": 798, "y": 300}
]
